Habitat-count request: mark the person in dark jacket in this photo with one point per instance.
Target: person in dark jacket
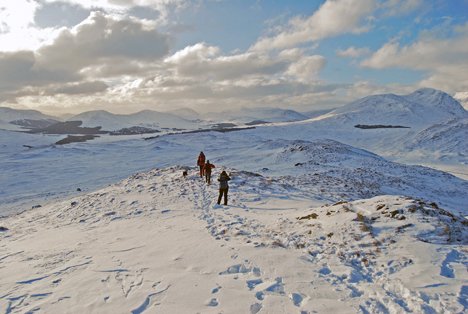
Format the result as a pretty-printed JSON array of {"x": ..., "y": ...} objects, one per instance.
[
  {"x": 201, "y": 163},
  {"x": 223, "y": 187},
  {"x": 207, "y": 171}
]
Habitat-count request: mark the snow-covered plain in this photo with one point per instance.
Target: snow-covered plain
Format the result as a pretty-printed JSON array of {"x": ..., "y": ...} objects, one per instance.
[{"x": 323, "y": 217}]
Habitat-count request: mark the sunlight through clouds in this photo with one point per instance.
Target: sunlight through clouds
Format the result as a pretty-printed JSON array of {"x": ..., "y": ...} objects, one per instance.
[{"x": 131, "y": 54}]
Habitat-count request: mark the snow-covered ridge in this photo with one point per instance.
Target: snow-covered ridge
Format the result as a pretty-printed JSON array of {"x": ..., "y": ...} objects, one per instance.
[
  {"x": 448, "y": 136},
  {"x": 420, "y": 108},
  {"x": 142, "y": 243},
  {"x": 8, "y": 115}
]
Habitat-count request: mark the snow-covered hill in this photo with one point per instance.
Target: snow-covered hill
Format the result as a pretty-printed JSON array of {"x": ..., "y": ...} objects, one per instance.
[
  {"x": 146, "y": 118},
  {"x": 156, "y": 242},
  {"x": 8, "y": 115},
  {"x": 317, "y": 222},
  {"x": 448, "y": 137},
  {"x": 186, "y": 113},
  {"x": 10, "y": 119},
  {"x": 247, "y": 115},
  {"x": 421, "y": 108}
]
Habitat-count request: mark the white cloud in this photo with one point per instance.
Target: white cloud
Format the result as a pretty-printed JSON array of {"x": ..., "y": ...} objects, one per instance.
[
  {"x": 203, "y": 61},
  {"x": 399, "y": 7},
  {"x": 163, "y": 7},
  {"x": 445, "y": 59},
  {"x": 352, "y": 52},
  {"x": 306, "y": 68},
  {"x": 334, "y": 17}
]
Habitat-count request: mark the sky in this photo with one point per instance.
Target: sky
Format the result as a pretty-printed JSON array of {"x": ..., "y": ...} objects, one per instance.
[{"x": 125, "y": 56}]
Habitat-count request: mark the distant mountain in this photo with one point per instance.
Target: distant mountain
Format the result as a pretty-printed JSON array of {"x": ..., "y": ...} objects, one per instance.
[
  {"x": 24, "y": 119},
  {"x": 8, "y": 115},
  {"x": 247, "y": 115},
  {"x": 8, "y": 126},
  {"x": 317, "y": 113},
  {"x": 146, "y": 118},
  {"x": 421, "y": 108},
  {"x": 462, "y": 98},
  {"x": 186, "y": 113}
]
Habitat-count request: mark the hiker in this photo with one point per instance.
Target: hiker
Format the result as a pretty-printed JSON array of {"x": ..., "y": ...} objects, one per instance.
[
  {"x": 201, "y": 163},
  {"x": 207, "y": 171},
  {"x": 223, "y": 187}
]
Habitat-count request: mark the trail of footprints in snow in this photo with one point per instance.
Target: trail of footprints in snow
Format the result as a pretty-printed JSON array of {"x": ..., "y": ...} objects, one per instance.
[{"x": 260, "y": 287}]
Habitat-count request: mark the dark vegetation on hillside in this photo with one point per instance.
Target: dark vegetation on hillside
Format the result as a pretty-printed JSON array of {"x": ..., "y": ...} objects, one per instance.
[
  {"x": 68, "y": 127},
  {"x": 257, "y": 122},
  {"x": 363, "y": 126},
  {"x": 134, "y": 130},
  {"x": 76, "y": 139}
]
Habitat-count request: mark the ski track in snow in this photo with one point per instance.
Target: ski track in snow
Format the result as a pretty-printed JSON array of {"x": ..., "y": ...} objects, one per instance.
[{"x": 273, "y": 247}]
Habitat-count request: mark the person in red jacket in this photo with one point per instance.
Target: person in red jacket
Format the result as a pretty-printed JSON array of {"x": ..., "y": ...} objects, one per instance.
[
  {"x": 207, "y": 170},
  {"x": 201, "y": 163}
]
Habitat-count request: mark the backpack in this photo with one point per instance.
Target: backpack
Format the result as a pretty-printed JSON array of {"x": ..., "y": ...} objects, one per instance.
[
  {"x": 223, "y": 182},
  {"x": 201, "y": 160}
]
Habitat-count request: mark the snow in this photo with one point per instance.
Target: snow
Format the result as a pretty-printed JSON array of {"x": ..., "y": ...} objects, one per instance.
[
  {"x": 322, "y": 218},
  {"x": 154, "y": 242},
  {"x": 247, "y": 115},
  {"x": 8, "y": 115},
  {"x": 462, "y": 97}
]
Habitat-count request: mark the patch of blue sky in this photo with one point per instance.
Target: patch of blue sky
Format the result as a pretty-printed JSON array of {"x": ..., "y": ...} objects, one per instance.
[{"x": 237, "y": 25}]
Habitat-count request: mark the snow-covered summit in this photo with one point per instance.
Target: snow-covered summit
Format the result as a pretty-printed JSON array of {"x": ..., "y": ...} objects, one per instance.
[
  {"x": 186, "y": 113},
  {"x": 421, "y": 108},
  {"x": 145, "y": 243},
  {"x": 146, "y": 118},
  {"x": 9, "y": 114},
  {"x": 108, "y": 121},
  {"x": 247, "y": 115}
]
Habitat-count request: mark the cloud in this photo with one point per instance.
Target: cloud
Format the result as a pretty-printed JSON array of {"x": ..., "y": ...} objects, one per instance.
[
  {"x": 401, "y": 7},
  {"x": 334, "y": 17},
  {"x": 204, "y": 61},
  {"x": 163, "y": 7},
  {"x": 102, "y": 43},
  {"x": 444, "y": 59},
  {"x": 80, "y": 88},
  {"x": 307, "y": 67},
  {"x": 352, "y": 52},
  {"x": 17, "y": 69},
  {"x": 77, "y": 59}
]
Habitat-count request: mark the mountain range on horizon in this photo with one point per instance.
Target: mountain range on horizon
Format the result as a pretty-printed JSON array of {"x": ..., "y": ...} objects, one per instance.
[{"x": 421, "y": 108}]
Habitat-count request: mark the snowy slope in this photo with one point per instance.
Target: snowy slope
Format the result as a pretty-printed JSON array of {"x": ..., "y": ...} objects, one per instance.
[
  {"x": 418, "y": 109},
  {"x": 146, "y": 118},
  {"x": 449, "y": 137},
  {"x": 8, "y": 115},
  {"x": 9, "y": 126},
  {"x": 317, "y": 222},
  {"x": 247, "y": 115},
  {"x": 186, "y": 113},
  {"x": 157, "y": 243},
  {"x": 316, "y": 113},
  {"x": 152, "y": 118}
]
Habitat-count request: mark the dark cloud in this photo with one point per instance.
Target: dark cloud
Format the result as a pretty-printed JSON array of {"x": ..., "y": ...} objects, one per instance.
[
  {"x": 104, "y": 41},
  {"x": 19, "y": 69}
]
